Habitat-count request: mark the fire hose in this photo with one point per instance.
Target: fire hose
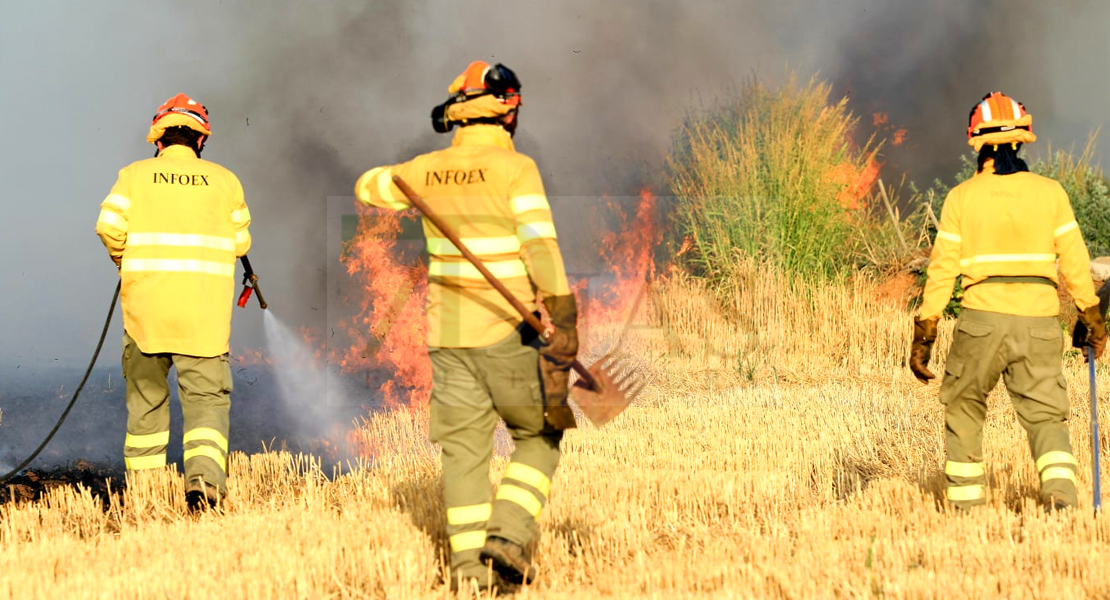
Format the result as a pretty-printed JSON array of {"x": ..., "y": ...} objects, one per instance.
[
  {"x": 250, "y": 284},
  {"x": 76, "y": 393}
]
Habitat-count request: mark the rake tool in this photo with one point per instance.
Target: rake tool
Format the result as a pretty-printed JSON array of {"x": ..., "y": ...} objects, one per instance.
[{"x": 604, "y": 389}]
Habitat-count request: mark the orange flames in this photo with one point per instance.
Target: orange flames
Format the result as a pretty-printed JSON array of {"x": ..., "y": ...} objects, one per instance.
[
  {"x": 856, "y": 184},
  {"x": 388, "y": 331}
]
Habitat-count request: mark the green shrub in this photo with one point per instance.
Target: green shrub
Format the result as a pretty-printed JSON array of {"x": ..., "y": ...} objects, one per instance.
[{"x": 770, "y": 174}]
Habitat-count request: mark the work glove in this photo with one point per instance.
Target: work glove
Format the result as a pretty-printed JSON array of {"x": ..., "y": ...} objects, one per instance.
[
  {"x": 924, "y": 334},
  {"x": 1090, "y": 331},
  {"x": 556, "y": 358}
]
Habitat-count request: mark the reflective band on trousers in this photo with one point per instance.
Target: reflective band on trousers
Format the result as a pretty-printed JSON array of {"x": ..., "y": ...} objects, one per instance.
[
  {"x": 500, "y": 269},
  {"x": 495, "y": 245},
  {"x": 962, "y": 469},
  {"x": 207, "y": 452},
  {"x": 1004, "y": 258},
  {"x": 527, "y": 202},
  {"x": 465, "y": 515},
  {"x": 138, "y": 463},
  {"x": 529, "y": 475},
  {"x": 175, "y": 265},
  {"x": 963, "y": 493},
  {"x": 113, "y": 219},
  {"x": 521, "y": 497},
  {"x": 468, "y": 540},
  {"x": 206, "y": 434},
  {"x": 1058, "y": 473},
  {"x": 192, "y": 240},
  {"x": 150, "y": 440},
  {"x": 1056, "y": 457}
]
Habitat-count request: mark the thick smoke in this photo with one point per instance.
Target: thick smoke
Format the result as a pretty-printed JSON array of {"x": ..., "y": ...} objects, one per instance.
[{"x": 306, "y": 96}]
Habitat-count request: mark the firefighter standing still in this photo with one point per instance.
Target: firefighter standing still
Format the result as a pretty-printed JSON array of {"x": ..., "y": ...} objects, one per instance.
[
  {"x": 174, "y": 225},
  {"x": 1004, "y": 230},
  {"x": 486, "y": 363}
]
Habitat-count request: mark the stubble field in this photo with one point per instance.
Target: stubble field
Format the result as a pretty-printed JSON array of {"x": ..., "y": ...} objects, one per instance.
[{"x": 782, "y": 451}]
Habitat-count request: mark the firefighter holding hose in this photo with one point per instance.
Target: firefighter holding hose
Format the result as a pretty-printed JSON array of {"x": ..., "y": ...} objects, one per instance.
[
  {"x": 174, "y": 225},
  {"x": 486, "y": 363},
  {"x": 1004, "y": 230}
]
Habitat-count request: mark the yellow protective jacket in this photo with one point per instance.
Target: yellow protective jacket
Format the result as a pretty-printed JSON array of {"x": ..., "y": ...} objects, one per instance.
[
  {"x": 175, "y": 225},
  {"x": 1008, "y": 225},
  {"x": 493, "y": 198}
]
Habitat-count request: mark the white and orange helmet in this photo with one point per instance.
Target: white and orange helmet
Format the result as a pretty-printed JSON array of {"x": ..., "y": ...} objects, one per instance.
[
  {"x": 999, "y": 119},
  {"x": 179, "y": 111}
]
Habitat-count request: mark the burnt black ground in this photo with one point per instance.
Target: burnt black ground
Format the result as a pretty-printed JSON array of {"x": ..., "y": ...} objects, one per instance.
[{"x": 88, "y": 447}]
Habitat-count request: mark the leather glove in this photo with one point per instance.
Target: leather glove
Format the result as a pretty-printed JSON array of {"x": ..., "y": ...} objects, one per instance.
[
  {"x": 924, "y": 334},
  {"x": 1090, "y": 331},
  {"x": 556, "y": 358}
]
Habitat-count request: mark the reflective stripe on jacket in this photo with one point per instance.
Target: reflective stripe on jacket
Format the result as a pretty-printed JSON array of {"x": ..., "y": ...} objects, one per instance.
[
  {"x": 1008, "y": 225},
  {"x": 494, "y": 199},
  {"x": 176, "y": 224}
]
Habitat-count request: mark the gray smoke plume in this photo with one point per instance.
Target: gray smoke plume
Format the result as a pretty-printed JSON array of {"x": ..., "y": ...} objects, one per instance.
[{"x": 306, "y": 96}]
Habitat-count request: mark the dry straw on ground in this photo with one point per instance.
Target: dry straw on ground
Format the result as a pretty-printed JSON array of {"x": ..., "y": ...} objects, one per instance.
[{"x": 783, "y": 451}]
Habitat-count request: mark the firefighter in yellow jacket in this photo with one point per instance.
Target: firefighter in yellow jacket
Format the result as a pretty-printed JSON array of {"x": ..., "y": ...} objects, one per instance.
[
  {"x": 487, "y": 364},
  {"x": 174, "y": 225},
  {"x": 1004, "y": 230}
]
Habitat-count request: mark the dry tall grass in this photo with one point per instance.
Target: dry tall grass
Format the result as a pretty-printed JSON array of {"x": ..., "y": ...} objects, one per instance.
[{"x": 782, "y": 452}]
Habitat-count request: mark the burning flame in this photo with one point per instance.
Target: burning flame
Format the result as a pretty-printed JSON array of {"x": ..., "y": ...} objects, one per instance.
[
  {"x": 856, "y": 184},
  {"x": 388, "y": 331}
]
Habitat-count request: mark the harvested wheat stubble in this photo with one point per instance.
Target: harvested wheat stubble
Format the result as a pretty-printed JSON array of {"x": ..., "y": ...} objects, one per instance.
[{"x": 823, "y": 483}]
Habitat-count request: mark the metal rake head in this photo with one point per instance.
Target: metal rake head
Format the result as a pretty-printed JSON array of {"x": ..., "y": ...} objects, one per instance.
[{"x": 618, "y": 380}]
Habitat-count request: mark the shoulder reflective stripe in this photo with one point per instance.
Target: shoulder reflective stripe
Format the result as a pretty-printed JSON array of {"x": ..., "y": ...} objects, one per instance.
[
  {"x": 150, "y": 440},
  {"x": 207, "y": 452},
  {"x": 123, "y": 203},
  {"x": 950, "y": 237},
  {"x": 469, "y": 540},
  {"x": 465, "y": 515},
  {"x": 527, "y": 202},
  {"x": 206, "y": 434},
  {"x": 1058, "y": 473},
  {"x": 181, "y": 240},
  {"x": 962, "y": 469},
  {"x": 1061, "y": 230},
  {"x": 385, "y": 190},
  {"x": 240, "y": 216},
  {"x": 112, "y": 218},
  {"x": 138, "y": 463},
  {"x": 168, "y": 265},
  {"x": 465, "y": 270},
  {"x": 532, "y": 231},
  {"x": 963, "y": 493},
  {"x": 521, "y": 497},
  {"x": 529, "y": 475},
  {"x": 498, "y": 245},
  {"x": 1056, "y": 457},
  {"x": 1004, "y": 258}
]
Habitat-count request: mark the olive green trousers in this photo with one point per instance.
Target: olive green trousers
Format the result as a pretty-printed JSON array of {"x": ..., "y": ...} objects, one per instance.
[
  {"x": 1027, "y": 352},
  {"x": 471, "y": 389},
  {"x": 204, "y": 388}
]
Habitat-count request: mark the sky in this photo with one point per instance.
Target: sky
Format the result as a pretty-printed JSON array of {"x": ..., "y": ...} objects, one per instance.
[{"x": 304, "y": 97}]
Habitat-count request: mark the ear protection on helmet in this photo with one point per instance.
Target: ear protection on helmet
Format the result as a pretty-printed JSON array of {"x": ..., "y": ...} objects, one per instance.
[{"x": 439, "y": 118}]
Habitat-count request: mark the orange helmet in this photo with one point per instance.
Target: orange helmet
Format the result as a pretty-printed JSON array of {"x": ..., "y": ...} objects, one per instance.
[
  {"x": 480, "y": 94},
  {"x": 179, "y": 111},
  {"x": 999, "y": 119}
]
